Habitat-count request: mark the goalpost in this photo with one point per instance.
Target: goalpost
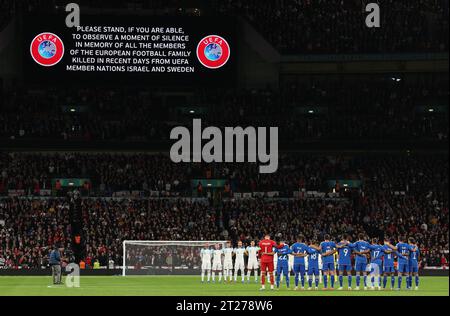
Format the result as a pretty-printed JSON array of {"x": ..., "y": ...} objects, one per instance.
[{"x": 152, "y": 257}]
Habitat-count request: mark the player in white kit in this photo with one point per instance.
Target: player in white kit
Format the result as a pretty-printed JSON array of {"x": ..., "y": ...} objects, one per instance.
[
  {"x": 275, "y": 264},
  {"x": 217, "y": 263},
  {"x": 252, "y": 264},
  {"x": 239, "y": 261},
  {"x": 205, "y": 255},
  {"x": 320, "y": 269},
  {"x": 228, "y": 262},
  {"x": 290, "y": 266},
  {"x": 291, "y": 263}
]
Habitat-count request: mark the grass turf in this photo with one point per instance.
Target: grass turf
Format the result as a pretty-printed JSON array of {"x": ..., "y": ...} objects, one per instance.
[{"x": 187, "y": 286}]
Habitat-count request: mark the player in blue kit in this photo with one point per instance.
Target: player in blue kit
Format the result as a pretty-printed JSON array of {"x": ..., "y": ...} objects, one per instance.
[
  {"x": 388, "y": 264},
  {"x": 345, "y": 248},
  {"x": 403, "y": 261},
  {"x": 376, "y": 263},
  {"x": 414, "y": 263},
  {"x": 327, "y": 249},
  {"x": 283, "y": 263},
  {"x": 313, "y": 265},
  {"x": 361, "y": 250},
  {"x": 299, "y": 251}
]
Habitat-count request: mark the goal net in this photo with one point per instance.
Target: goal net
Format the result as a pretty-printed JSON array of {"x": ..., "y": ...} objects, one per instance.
[{"x": 164, "y": 257}]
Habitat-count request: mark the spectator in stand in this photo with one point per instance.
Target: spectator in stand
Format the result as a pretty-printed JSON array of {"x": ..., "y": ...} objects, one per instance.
[{"x": 337, "y": 27}]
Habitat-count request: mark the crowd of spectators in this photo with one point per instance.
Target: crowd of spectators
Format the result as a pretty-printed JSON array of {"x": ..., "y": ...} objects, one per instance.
[
  {"x": 114, "y": 172},
  {"x": 309, "y": 109},
  {"x": 108, "y": 173},
  {"x": 400, "y": 195},
  {"x": 339, "y": 108},
  {"x": 107, "y": 223},
  {"x": 337, "y": 27},
  {"x": 30, "y": 228}
]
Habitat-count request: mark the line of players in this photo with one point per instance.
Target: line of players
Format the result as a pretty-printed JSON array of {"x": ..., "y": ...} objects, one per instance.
[
  {"x": 212, "y": 262},
  {"x": 372, "y": 262}
]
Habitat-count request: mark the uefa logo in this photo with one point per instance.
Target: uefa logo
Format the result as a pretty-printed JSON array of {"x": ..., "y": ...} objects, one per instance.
[
  {"x": 213, "y": 51},
  {"x": 47, "y": 49}
]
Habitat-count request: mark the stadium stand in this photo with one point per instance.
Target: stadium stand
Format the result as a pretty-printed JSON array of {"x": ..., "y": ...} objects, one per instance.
[
  {"x": 304, "y": 26},
  {"x": 400, "y": 195},
  {"x": 110, "y": 173},
  {"x": 336, "y": 27},
  {"x": 369, "y": 107}
]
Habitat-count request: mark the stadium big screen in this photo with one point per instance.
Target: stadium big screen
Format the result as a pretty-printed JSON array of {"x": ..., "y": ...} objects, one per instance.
[{"x": 157, "y": 50}]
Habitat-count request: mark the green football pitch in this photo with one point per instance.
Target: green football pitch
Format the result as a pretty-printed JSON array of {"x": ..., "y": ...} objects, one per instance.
[{"x": 188, "y": 286}]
